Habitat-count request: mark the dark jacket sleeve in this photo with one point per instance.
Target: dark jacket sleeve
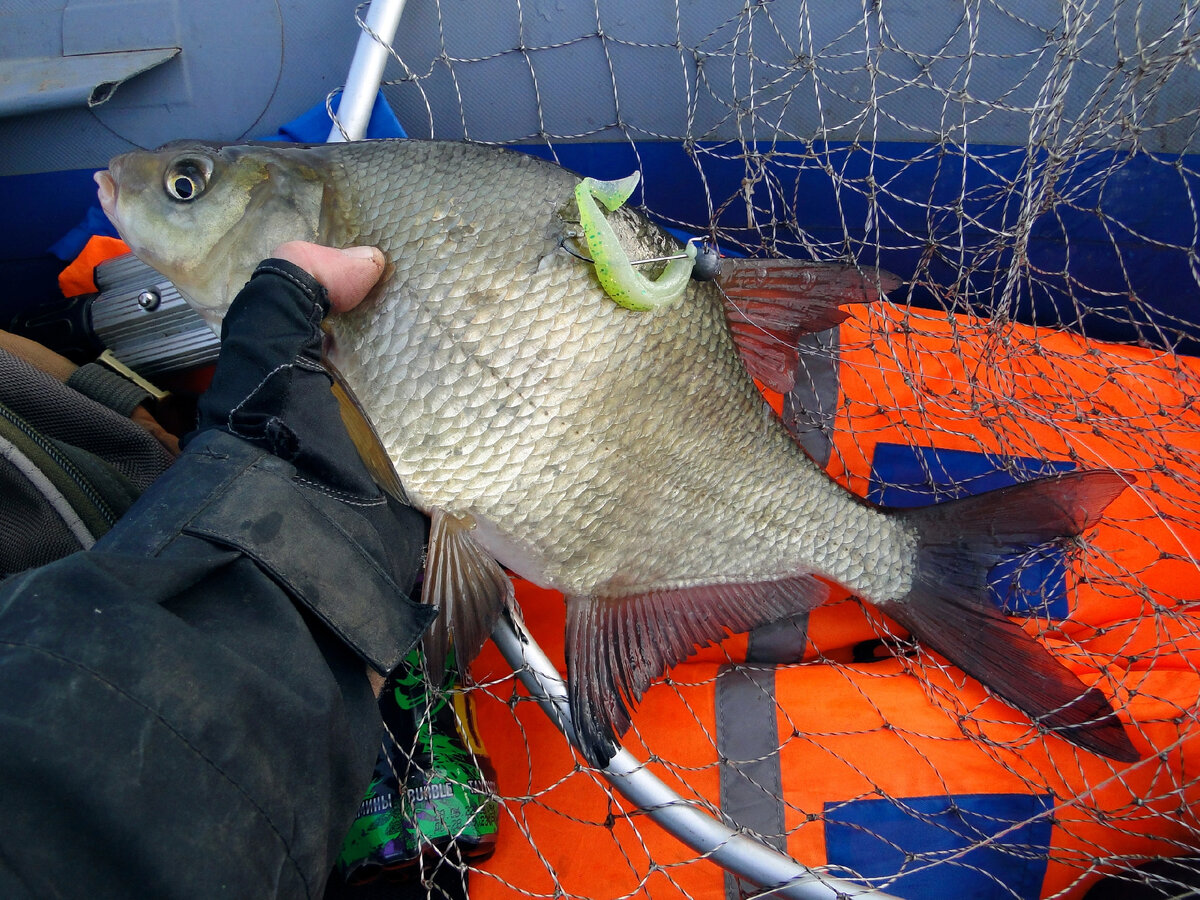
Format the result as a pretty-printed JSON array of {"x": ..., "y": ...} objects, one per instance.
[{"x": 184, "y": 708}]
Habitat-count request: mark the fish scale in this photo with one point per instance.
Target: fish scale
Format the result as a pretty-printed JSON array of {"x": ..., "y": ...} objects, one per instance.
[{"x": 621, "y": 457}]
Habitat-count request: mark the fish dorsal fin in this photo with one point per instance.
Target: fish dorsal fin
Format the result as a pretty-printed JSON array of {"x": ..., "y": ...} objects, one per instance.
[
  {"x": 468, "y": 587},
  {"x": 365, "y": 438},
  {"x": 771, "y": 303},
  {"x": 616, "y": 647}
]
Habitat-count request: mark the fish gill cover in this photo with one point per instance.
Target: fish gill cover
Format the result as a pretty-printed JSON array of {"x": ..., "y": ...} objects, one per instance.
[{"x": 1029, "y": 171}]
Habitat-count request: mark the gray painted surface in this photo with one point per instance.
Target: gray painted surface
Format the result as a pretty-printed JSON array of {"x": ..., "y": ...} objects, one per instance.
[
  {"x": 509, "y": 70},
  {"x": 895, "y": 70},
  {"x": 33, "y": 84},
  {"x": 244, "y": 68}
]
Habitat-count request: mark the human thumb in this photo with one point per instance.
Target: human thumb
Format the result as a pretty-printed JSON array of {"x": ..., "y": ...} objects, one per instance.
[{"x": 347, "y": 275}]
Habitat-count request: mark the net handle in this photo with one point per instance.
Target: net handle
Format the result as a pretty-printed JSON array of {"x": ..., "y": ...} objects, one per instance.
[{"x": 366, "y": 70}]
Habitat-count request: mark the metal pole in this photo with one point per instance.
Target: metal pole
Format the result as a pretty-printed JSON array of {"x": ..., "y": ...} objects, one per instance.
[
  {"x": 366, "y": 70},
  {"x": 748, "y": 858}
]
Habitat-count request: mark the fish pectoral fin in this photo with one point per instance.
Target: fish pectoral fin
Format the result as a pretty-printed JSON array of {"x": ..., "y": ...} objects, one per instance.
[
  {"x": 771, "y": 303},
  {"x": 615, "y": 647},
  {"x": 469, "y": 588},
  {"x": 364, "y": 437}
]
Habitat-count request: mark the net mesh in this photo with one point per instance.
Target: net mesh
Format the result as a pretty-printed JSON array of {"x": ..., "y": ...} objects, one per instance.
[{"x": 1028, "y": 169}]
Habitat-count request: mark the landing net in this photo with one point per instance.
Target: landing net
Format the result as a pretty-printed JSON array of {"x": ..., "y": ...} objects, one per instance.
[{"x": 1028, "y": 168}]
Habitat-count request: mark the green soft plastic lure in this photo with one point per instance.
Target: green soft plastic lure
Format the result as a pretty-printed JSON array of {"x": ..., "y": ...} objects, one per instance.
[{"x": 627, "y": 287}]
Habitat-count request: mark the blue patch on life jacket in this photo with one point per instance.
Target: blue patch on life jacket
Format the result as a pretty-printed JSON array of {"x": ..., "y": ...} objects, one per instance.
[
  {"x": 927, "y": 848},
  {"x": 1029, "y": 583}
]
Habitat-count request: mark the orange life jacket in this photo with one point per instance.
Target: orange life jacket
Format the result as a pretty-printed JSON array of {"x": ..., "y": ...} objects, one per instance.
[{"x": 882, "y": 761}]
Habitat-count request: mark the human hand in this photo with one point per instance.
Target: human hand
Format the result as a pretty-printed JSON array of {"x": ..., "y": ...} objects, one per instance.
[
  {"x": 347, "y": 275},
  {"x": 270, "y": 387},
  {"x": 271, "y": 390}
]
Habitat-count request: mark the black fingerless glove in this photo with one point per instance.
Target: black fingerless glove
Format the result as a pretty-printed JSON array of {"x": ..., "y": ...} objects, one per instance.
[
  {"x": 310, "y": 514},
  {"x": 270, "y": 388}
]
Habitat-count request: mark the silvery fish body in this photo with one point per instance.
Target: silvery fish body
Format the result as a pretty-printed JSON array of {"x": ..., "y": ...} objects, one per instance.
[
  {"x": 622, "y": 457},
  {"x": 601, "y": 452}
]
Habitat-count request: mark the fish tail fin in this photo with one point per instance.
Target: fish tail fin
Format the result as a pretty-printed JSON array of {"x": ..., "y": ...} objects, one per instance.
[{"x": 949, "y": 611}]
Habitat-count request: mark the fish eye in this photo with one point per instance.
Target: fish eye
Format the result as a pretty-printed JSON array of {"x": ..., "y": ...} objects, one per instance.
[{"x": 186, "y": 179}]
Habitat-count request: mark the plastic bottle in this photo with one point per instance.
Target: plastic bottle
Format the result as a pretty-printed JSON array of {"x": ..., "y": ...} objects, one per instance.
[
  {"x": 379, "y": 840},
  {"x": 449, "y": 783},
  {"x": 447, "y": 807}
]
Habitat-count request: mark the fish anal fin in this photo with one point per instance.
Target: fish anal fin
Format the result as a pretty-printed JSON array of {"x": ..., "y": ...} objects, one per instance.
[
  {"x": 948, "y": 609},
  {"x": 615, "y": 647},
  {"x": 771, "y": 303},
  {"x": 468, "y": 587}
]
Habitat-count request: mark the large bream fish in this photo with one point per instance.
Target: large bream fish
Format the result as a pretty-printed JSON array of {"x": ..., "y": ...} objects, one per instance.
[{"x": 622, "y": 457}]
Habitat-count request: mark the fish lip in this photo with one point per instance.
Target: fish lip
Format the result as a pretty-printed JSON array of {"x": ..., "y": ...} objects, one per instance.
[{"x": 106, "y": 191}]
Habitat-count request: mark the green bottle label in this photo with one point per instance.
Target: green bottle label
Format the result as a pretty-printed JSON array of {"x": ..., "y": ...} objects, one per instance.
[
  {"x": 445, "y": 790},
  {"x": 433, "y": 750},
  {"x": 379, "y": 835}
]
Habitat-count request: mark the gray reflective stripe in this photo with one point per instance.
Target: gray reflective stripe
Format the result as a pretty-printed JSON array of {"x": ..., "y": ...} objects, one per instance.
[
  {"x": 751, "y": 782},
  {"x": 747, "y": 713},
  {"x": 748, "y": 739},
  {"x": 779, "y": 642},
  {"x": 810, "y": 408}
]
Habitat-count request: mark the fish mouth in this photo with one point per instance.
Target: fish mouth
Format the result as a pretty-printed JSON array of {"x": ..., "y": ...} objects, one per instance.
[{"x": 106, "y": 191}]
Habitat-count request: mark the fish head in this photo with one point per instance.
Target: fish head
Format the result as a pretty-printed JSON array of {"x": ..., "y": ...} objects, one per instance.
[{"x": 204, "y": 215}]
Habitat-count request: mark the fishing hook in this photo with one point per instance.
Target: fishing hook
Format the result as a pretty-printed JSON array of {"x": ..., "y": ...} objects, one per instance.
[{"x": 707, "y": 259}]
